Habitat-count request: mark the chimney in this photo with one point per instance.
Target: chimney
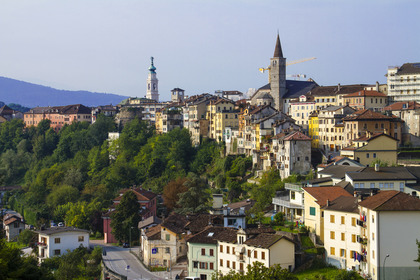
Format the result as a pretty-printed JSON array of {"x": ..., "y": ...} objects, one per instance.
[
  {"x": 217, "y": 201},
  {"x": 338, "y": 87},
  {"x": 355, "y": 194},
  {"x": 328, "y": 202},
  {"x": 377, "y": 86},
  {"x": 377, "y": 167}
]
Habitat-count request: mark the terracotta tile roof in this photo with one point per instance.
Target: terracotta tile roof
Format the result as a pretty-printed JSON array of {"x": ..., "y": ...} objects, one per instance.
[
  {"x": 11, "y": 220},
  {"x": 391, "y": 201},
  {"x": 366, "y": 93},
  {"x": 367, "y": 115},
  {"x": 365, "y": 138},
  {"x": 149, "y": 221},
  {"x": 140, "y": 193},
  {"x": 265, "y": 240},
  {"x": 198, "y": 222},
  {"x": 153, "y": 233},
  {"x": 176, "y": 223},
  {"x": 398, "y": 106},
  {"x": 297, "y": 136},
  {"x": 344, "y": 204},
  {"x": 55, "y": 230},
  {"x": 228, "y": 235},
  {"x": 259, "y": 109},
  {"x": 258, "y": 230},
  {"x": 209, "y": 235},
  {"x": 334, "y": 90},
  {"x": 247, "y": 204},
  {"x": 322, "y": 194}
]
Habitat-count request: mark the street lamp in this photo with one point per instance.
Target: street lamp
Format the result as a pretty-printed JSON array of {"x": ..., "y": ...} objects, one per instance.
[
  {"x": 387, "y": 255},
  {"x": 130, "y": 236}
]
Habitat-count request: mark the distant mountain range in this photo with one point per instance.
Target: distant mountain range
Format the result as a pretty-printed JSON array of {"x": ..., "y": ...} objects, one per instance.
[{"x": 32, "y": 95}]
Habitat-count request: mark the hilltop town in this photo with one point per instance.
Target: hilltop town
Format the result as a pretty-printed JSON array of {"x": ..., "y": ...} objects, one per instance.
[{"x": 293, "y": 178}]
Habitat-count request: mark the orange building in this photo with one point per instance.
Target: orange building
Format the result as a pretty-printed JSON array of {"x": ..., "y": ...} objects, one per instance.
[
  {"x": 58, "y": 115},
  {"x": 365, "y": 122}
]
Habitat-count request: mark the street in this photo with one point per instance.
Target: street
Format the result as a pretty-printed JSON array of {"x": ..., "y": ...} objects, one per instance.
[{"x": 117, "y": 259}]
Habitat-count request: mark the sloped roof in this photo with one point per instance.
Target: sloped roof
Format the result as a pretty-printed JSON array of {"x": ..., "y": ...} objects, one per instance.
[
  {"x": 140, "y": 193},
  {"x": 366, "y": 93},
  {"x": 198, "y": 222},
  {"x": 322, "y": 194},
  {"x": 6, "y": 110},
  {"x": 391, "y": 201},
  {"x": 398, "y": 106},
  {"x": 367, "y": 115},
  {"x": 344, "y": 204},
  {"x": 277, "y": 50},
  {"x": 149, "y": 221},
  {"x": 265, "y": 240},
  {"x": 294, "y": 89},
  {"x": 409, "y": 68},
  {"x": 228, "y": 235},
  {"x": 209, "y": 235},
  {"x": 339, "y": 171},
  {"x": 176, "y": 223},
  {"x": 297, "y": 136},
  {"x": 55, "y": 230},
  {"x": 365, "y": 138},
  {"x": 153, "y": 233},
  {"x": 338, "y": 89},
  {"x": 384, "y": 174},
  {"x": 11, "y": 220}
]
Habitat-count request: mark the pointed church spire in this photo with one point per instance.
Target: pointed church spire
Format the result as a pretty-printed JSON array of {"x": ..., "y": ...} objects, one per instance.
[{"x": 277, "y": 51}]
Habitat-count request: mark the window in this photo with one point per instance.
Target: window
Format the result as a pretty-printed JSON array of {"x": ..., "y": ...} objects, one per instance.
[
  {"x": 343, "y": 253},
  {"x": 263, "y": 255},
  {"x": 211, "y": 252},
  {"x": 57, "y": 240},
  {"x": 343, "y": 236},
  {"x": 233, "y": 265},
  {"x": 373, "y": 236},
  {"x": 221, "y": 262},
  {"x": 332, "y": 218},
  {"x": 372, "y": 185},
  {"x": 233, "y": 250},
  {"x": 312, "y": 211},
  {"x": 227, "y": 250},
  {"x": 57, "y": 252},
  {"x": 332, "y": 234},
  {"x": 353, "y": 238},
  {"x": 227, "y": 264},
  {"x": 343, "y": 220},
  {"x": 374, "y": 155},
  {"x": 367, "y": 155},
  {"x": 167, "y": 237},
  {"x": 221, "y": 248},
  {"x": 195, "y": 264},
  {"x": 255, "y": 254},
  {"x": 81, "y": 238},
  {"x": 401, "y": 187},
  {"x": 373, "y": 219},
  {"x": 203, "y": 252},
  {"x": 292, "y": 195},
  {"x": 332, "y": 251},
  {"x": 373, "y": 254},
  {"x": 249, "y": 253},
  {"x": 211, "y": 266}
]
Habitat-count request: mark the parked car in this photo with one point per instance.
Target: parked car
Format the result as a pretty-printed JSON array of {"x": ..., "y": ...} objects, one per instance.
[{"x": 126, "y": 245}]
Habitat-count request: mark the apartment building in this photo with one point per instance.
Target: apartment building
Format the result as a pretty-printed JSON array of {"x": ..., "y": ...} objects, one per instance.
[
  {"x": 409, "y": 112},
  {"x": 404, "y": 82},
  {"x": 58, "y": 115},
  {"x": 363, "y": 121},
  {"x": 169, "y": 118},
  {"x": 221, "y": 113},
  {"x": 301, "y": 109},
  {"x": 325, "y": 96},
  {"x": 366, "y": 99}
]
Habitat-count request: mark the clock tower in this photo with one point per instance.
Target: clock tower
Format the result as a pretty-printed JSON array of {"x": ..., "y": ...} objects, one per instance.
[{"x": 152, "y": 83}]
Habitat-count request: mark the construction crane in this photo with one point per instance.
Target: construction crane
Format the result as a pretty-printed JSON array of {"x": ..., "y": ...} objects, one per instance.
[
  {"x": 297, "y": 76},
  {"x": 262, "y": 70}
]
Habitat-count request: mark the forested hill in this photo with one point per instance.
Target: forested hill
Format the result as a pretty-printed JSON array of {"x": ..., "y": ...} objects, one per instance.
[{"x": 32, "y": 95}]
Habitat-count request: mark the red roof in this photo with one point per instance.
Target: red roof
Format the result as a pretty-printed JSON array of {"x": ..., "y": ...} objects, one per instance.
[
  {"x": 297, "y": 136},
  {"x": 391, "y": 201},
  {"x": 408, "y": 105},
  {"x": 322, "y": 194},
  {"x": 367, "y": 115}
]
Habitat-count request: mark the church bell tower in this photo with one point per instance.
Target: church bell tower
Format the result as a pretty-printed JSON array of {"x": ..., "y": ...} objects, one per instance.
[
  {"x": 152, "y": 83},
  {"x": 277, "y": 77}
]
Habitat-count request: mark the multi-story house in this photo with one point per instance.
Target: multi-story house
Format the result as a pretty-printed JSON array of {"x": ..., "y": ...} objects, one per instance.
[
  {"x": 313, "y": 130},
  {"x": 342, "y": 233},
  {"x": 203, "y": 253},
  {"x": 292, "y": 153},
  {"x": 404, "y": 82},
  {"x": 389, "y": 235},
  {"x": 221, "y": 113},
  {"x": 325, "y": 96},
  {"x": 56, "y": 241},
  {"x": 301, "y": 109},
  {"x": 168, "y": 119},
  {"x": 369, "y": 148},
  {"x": 148, "y": 208},
  {"x": 331, "y": 128},
  {"x": 366, "y": 99},
  {"x": 363, "y": 121},
  {"x": 58, "y": 115},
  {"x": 13, "y": 225},
  {"x": 107, "y": 110},
  {"x": 238, "y": 249},
  {"x": 8, "y": 113},
  {"x": 290, "y": 202},
  {"x": 149, "y": 107},
  {"x": 316, "y": 198},
  {"x": 409, "y": 112}
]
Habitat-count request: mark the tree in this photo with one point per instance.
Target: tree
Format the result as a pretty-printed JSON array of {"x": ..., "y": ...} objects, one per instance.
[
  {"x": 62, "y": 195},
  {"x": 172, "y": 191},
  {"x": 258, "y": 271},
  {"x": 126, "y": 218},
  {"x": 196, "y": 198}
]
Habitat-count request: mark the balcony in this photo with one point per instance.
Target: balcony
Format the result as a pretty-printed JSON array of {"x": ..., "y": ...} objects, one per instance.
[
  {"x": 42, "y": 245},
  {"x": 293, "y": 187},
  {"x": 285, "y": 202}
]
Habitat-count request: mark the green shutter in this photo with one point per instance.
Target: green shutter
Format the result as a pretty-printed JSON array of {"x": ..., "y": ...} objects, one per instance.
[{"x": 312, "y": 211}]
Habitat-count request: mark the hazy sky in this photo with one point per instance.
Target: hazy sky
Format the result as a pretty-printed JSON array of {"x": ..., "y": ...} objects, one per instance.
[{"x": 202, "y": 46}]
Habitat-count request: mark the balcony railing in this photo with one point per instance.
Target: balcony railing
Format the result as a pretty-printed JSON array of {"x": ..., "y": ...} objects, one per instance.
[{"x": 285, "y": 202}]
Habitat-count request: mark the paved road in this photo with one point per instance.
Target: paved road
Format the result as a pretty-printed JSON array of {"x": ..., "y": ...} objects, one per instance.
[{"x": 117, "y": 259}]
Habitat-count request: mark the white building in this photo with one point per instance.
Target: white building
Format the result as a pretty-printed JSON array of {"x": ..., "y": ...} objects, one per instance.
[
  {"x": 152, "y": 83},
  {"x": 389, "y": 230},
  {"x": 404, "y": 82},
  {"x": 13, "y": 225},
  {"x": 57, "y": 240}
]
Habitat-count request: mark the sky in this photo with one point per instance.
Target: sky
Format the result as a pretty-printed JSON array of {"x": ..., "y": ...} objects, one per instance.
[{"x": 202, "y": 46}]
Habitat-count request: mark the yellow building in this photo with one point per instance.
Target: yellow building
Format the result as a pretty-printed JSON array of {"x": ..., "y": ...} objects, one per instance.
[
  {"x": 221, "y": 113},
  {"x": 159, "y": 122},
  {"x": 369, "y": 148},
  {"x": 315, "y": 199},
  {"x": 314, "y": 130}
]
